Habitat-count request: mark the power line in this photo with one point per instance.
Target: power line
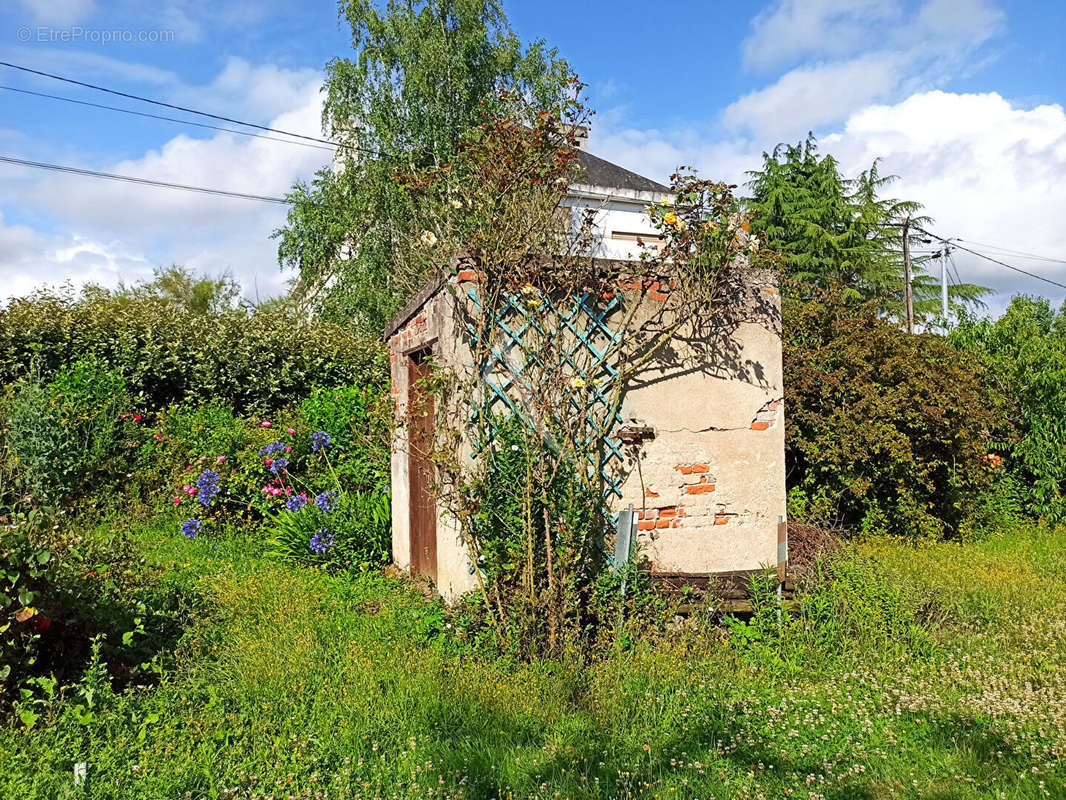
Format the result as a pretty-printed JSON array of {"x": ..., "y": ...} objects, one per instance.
[
  {"x": 1017, "y": 253},
  {"x": 995, "y": 260},
  {"x": 167, "y": 119},
  {"x": 142, "y": 181},
  {"x": 184, "y": 108}
]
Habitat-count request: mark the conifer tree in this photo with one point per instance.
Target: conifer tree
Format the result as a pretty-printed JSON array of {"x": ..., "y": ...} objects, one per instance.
[{"x": 832, "y": 229}]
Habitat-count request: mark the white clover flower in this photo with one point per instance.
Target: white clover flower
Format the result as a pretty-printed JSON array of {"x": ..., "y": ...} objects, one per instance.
[
  {"x": 428, "y": 238},
  {"x": 457, "y": 203}
]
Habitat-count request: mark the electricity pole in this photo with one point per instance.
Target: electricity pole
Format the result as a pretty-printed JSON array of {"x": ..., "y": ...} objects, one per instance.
[
  {"x": 907, "y": 293},
  {"x": 944, "y": 287}
]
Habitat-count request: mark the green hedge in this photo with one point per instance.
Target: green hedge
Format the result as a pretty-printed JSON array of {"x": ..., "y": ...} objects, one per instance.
[
  {"x": 254, "y": 361},
  {"x": 885, "y": 431}
]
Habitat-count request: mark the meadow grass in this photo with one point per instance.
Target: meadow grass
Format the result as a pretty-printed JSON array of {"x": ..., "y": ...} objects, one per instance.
[{"x": 930, "y": 671}]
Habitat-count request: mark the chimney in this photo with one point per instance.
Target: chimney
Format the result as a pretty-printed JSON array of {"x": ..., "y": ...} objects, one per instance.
[{"x": 581, "y": 133}]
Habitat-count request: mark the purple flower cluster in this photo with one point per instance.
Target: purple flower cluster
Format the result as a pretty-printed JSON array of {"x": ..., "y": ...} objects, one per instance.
[
  {"x": 321, "y": 541},
  {"x": 295, "y": 503},
  {"x": 207, "y": 483},
  {"x": 278, "y": 465},
  {"x": 268, "y": 450},
  {"x": 319, "y": 441},
  {"x": 190, "y": 528},
  {"x": 325, "y": 501}
]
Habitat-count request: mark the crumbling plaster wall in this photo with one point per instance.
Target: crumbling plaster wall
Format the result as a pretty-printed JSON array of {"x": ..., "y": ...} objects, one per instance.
[{"x": 711, "y": 483}]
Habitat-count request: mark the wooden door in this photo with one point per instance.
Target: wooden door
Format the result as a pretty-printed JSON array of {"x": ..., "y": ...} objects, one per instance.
[{"x": 423, "y": 510}]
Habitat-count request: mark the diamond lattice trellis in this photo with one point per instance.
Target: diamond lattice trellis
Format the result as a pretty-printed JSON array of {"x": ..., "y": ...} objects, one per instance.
[{"x": 584, "y": 342}]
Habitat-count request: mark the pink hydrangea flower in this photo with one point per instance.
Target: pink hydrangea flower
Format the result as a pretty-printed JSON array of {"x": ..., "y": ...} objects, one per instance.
[
  {"x": 176, "y": 501},
  {"x": 264, "y": 424},
  {"x": 159, "y": 437},
  {"x": 221, "y": 460},
  {"x": 291, "y": 431}
]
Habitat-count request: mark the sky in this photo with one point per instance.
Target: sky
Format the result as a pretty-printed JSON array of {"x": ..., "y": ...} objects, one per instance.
[{"x": 962, "y": 99}]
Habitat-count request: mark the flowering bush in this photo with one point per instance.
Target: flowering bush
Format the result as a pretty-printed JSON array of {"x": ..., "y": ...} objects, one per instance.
[{"x": 310, "y": 517}]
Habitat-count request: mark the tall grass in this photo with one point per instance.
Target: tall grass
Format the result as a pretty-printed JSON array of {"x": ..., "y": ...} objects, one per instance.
[{"x": 932, "y": 671}]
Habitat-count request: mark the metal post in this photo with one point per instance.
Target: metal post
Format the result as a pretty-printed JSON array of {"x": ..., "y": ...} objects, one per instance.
[
  {"x": 782, "y": 563},
  {"x": 908, "y": 294},
  {"x": 623, "y": 545},
  {"x": 944, "y": 288}
]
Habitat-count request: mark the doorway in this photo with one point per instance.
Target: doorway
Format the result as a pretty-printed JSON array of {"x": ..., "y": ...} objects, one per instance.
[{"x": 423, "y": 504}]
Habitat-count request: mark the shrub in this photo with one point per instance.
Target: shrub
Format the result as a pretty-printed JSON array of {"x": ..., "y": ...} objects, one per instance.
[
  {"x": 1024, "y": 353},
  {"x": 885, "y": 431},
  {"x": 186, "y": 437},
  {"x": 256, "y": 362},
  {"x": 289, "y": 480},
  {"x": 358, "y": 421},
  {"x": 72, "y": 433},
  {"x": 347, "y": 530},
  {"x": 23, "y": 573}
]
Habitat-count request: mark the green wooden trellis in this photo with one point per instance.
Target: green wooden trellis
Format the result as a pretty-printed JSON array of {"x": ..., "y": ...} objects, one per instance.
[{"x": 583, "y": 323}]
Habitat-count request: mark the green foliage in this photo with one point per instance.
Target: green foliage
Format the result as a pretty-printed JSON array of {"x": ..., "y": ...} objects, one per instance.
[
  {"x": 358, "y": 420},
  {"x": 24, "y": 569},
  {"x": 421, "y": 78},
  {"x": 358, "y": 531},
  {"x": 833, "y": 229},
  {"x": 885, "y": 431},
  {"x": 536, "y": 537},
  {"x": 179, "y": 286},
  {"x": 333, "y": 683},
  {"x": 255, "y": 362},
  {"x": 71, "y": 435},
  {"x": 1024, "y": 353}
]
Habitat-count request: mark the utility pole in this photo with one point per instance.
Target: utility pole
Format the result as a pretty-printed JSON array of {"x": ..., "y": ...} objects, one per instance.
[
  {"x": 944, "y": 287},
  {"x": 907, "y": 293}
]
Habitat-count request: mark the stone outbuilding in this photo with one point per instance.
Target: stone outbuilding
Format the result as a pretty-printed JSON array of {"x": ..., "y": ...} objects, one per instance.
[{"x": 708, "y": 485}]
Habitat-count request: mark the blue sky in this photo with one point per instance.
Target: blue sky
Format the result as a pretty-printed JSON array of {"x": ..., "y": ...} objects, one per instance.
[{"x": 961, "y": 98}]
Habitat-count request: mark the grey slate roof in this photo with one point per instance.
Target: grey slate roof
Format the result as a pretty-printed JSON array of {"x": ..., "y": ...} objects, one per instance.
[{"x": 600, "y": 172}]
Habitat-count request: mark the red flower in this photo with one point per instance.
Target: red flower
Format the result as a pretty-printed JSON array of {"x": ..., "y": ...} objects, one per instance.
[
  {"x": 42, "y": 623},
  {"x": 137, "y": 417}
]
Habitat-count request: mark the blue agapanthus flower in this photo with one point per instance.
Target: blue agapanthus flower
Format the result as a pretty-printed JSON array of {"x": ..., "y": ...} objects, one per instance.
[
  {"x": 190, "y": 528},
  {"x": 319, "y": 441},
  {"x": 295, "y": 503},
  {"x": 321, "y": 541},
  {"x": 325, "y": 501},
  {"x": 207, "y": 483},
  {"x": 270, "y": 449},
  {"x": 277, "y": 466}
]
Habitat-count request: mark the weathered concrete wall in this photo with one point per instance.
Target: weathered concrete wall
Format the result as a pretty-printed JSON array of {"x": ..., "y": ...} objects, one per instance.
[
  {"x": 711, "y": 483},
  {"x": 433, "y": 326}
]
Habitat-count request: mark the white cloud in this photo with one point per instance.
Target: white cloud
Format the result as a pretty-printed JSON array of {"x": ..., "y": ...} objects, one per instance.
[
  {"x": 809, "y": 97},
  {"x": 852, "y": 53},
  {"x": 985, "y": 169},
  {"x": 30, "y": 260},
  {"x": 112, "y": 230},
  {"x": 792, "y": 29},
  {"x": 243, "y": 89},
  {"x": 59, "y": 12}
]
